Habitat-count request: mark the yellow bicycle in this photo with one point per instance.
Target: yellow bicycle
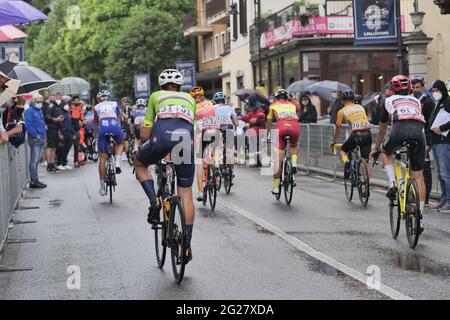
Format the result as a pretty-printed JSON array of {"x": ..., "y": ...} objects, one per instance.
[{"x": 407, "y": 198}]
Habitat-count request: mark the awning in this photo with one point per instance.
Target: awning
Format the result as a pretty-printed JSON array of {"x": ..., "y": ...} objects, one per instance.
[
  {"x": 210, "y": 74},
  {"x": 9, "y": 33}
]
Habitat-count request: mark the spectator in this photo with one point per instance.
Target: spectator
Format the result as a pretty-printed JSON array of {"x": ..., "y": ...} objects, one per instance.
[
  {"x": 35, "y": 124},
  {"x": 418, "y": 86},
  {"x": 336, "y": 106},
  {"x": 4, "y": 138},
  {"x": 12, "y": 121},
  {"x": 54, "y": 116},
  {"x": 255, "y": 118},
  {"x": 439, "y": 139},
  {"x": 89, "y": 127},
  {"x": 66, "y": 133},
  {"x": 308, "y": 112},
  {"x": 76, "y": 113}
]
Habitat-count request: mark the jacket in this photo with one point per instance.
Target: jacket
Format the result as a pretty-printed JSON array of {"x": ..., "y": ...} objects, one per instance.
[
  {"x": 35, "y": 123},
  {"x": 308, "y": 114},
  {"x": 433, "y": 138}
]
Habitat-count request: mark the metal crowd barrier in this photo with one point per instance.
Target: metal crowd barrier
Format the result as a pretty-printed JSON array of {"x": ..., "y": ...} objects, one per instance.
[
  {"x": 315, "y": 153},
  {"x": 13, "y": 177}
]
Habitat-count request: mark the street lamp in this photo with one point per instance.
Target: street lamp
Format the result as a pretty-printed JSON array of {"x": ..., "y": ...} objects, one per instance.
[{"x": 257, "y": 4}]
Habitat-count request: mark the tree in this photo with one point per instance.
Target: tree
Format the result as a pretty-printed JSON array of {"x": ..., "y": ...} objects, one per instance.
[{"x": 145, "y": 44}]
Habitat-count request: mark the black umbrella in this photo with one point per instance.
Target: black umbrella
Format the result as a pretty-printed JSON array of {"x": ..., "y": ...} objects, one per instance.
[
  {"x": 6, "y": 66},
  {"x": 32, "y": 78}
]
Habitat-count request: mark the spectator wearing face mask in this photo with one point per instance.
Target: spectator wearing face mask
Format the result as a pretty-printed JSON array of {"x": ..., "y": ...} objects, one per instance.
[
  {"x": 66, "y": 133},
  {"x": 76, "y": 113},
  {"x": 13, "y": 121},
  {"x": 439, "y": 139},
  {"x": 418, "y": 87},
  {"x": 35, "y": 125},
  {"x": 308, "y": 112},
  {"x": 54, "y": 116}
]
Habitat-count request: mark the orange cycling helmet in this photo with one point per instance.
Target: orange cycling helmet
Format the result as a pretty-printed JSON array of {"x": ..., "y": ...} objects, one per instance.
[{"x": 195, "y": 91}]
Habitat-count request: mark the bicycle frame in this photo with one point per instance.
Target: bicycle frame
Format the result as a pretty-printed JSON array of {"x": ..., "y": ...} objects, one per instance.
[{"x": 402, "y": 172}]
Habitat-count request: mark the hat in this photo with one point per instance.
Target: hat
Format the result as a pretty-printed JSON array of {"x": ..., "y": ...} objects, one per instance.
[{"x": 440, "y": 85}]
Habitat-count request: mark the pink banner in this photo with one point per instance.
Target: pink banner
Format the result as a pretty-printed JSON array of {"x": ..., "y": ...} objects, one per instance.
[{"x": 317, "y": 26}]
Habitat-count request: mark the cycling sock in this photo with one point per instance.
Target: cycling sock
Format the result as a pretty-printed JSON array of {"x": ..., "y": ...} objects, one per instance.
[
  {"x": 118, "y": 161},
  {"x": 102, "y": 183},
  {"x": 276, "y": 183},
  {"x": 294, "y": 160},
  {"x": 149, "y": 188},
  {"x": 189, "y": 228},
  {"x": 422, "y": 206},
  {"x": 390, "y": 172}
]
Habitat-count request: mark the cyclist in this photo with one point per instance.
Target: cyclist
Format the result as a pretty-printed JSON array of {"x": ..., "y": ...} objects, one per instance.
[
  {"x": 137, "y": 119},
  {"x": 359, "y": 127},
  {"x": 226, "y": 117},
  {"x": 286, "y": 115},
  {"x": 408, "y": 122},
  {"x": 126, "y": 121},
  {"x": 175, "y": 115},
  {"x": 107, "y": 121},
  {"x": 206, "y": 126}
]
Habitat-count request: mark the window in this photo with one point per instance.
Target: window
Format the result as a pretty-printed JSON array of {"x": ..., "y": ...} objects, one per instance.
[
  {"x": 243, "y": 17},
  {"x": 311, "y": 65},
  {"x": 208, "y": 48},
  {"x": 223, "y": 41},
  {"x": 217, "y": 46},
  {"x": 291, "y": 68}
]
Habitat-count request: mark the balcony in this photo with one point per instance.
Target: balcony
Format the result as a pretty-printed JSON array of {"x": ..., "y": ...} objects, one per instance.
[
  {"x": 191, "y": 28},
  {"x": 217, "y": 12},
  {"x": 226, "y": 49}
]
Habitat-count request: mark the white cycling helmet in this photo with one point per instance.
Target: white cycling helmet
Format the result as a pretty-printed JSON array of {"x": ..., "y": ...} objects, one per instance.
[
  {"x": 170, "y": 76},
  {"x": 141, "y": 102}
]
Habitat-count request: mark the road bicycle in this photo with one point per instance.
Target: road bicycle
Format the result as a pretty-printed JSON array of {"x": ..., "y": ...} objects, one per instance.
[
  {"x": 407, "y": 198},
  {"x": 287, "y": 179},
  {"x": 170, "y": 231},
  {"x": 226, "y": 170},
  {"x": 211, "y": 181},
  {"x": 110, "y": 177},
  {"x": 359, "y": 176}
]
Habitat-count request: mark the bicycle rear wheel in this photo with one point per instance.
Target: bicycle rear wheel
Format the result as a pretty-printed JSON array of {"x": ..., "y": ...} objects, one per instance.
[
  {"x": 177, "y": 235},
  {"x": 160, "y": 239},
  {"x": 288, "y": 181},
  {"x": 348, "y": 184},
  {"x": 363, "y": 182},
  {"x": 413, "y": 216}
]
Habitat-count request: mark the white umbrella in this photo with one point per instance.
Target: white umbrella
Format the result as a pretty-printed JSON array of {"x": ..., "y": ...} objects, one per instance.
[{"x": 71, "y": 86}]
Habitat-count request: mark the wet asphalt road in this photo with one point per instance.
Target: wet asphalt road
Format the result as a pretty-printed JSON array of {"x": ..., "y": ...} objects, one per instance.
[{"x": 234, "y": 257}]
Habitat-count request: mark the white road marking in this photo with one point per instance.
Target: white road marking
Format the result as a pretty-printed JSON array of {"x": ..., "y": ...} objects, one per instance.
[{"x": 303, "y": 247}]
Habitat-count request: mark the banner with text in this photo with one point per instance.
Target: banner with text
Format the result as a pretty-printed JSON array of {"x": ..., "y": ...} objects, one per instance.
[{"x": 375, "y": 21}]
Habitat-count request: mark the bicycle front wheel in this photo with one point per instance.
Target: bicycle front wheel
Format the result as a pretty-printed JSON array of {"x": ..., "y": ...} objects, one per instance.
[
  {"x": 228, "y": 179},
  {"x": 177, "y": 235},
  {"x": 363, "y": 183},
  {"x": 288, "y": 181},
  {"x": 160, "y": 239},
  {"x": 413, "y": 215}
]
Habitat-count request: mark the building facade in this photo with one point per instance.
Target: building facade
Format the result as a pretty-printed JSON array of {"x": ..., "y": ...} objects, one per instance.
[{"x": 209, "y": 28}]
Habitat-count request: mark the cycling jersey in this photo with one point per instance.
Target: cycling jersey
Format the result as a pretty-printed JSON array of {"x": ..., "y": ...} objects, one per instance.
[
  {"x": 170, "y": 105},
  {"x": 283, "y": 110},
  {"x": 107, "y": 115},
  {"x": 356, "y": 117},
  {"x": 138, "y": 117},
  {"x": 225, "y": 115},
  {"x": 206, "y": 118},
  {"x": 286, "y": 115},
  {"x": 398, "y": 108}
]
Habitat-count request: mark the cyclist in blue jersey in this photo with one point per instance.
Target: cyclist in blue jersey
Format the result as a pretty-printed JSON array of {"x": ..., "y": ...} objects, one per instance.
[{"x": 107, "y": 121}]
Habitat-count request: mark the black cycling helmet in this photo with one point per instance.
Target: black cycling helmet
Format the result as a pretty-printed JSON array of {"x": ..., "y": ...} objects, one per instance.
[
  {"x": 358, "y": 99},
  {"x": 348, "y": 95}
]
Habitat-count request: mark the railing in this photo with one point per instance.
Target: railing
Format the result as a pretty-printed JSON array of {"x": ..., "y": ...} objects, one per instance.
[
  {"x": 215, "y": 7},
  {"x": 13, "y": 176}
]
